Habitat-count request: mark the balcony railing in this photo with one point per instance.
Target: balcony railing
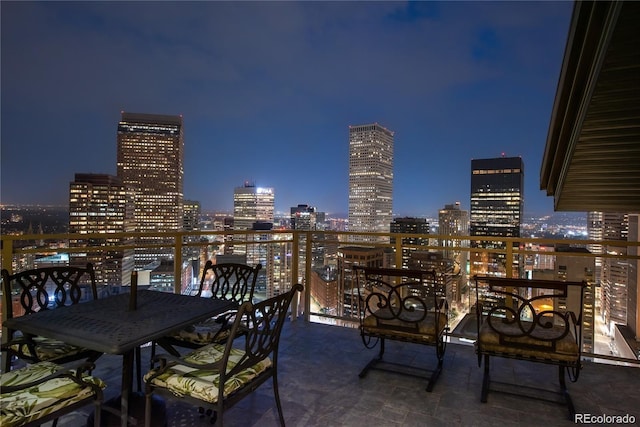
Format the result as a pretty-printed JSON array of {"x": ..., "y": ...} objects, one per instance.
[{"x": 322, "y": 261}]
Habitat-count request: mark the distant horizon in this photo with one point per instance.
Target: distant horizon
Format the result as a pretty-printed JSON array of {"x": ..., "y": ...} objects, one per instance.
[{"x": 342, "y": 215}]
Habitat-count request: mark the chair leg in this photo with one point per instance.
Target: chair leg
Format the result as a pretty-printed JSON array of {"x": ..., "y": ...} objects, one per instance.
[
  {"x": 277, "y": 396},
  {"x": 381, "y": 349},
  {"x": 485, "y": 380},
  {"x": 147, "y": 408},
  {"x": 373, "y": 361},
  {"x": 139, "y": 368},
  {"x": 97, "y": 422},
  {"x": 565, "y": 392},
  {"x": 434, "y": 376}
]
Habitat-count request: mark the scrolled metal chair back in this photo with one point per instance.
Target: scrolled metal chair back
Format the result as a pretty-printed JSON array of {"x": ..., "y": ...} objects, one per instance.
[
  {"x": 231, "y": 281},
  {"x": 48, "y": 287},
  {"x": 261, "y": 324}
]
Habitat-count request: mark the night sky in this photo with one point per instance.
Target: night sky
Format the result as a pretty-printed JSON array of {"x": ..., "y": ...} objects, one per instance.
[{"x": 267, "y": 91}]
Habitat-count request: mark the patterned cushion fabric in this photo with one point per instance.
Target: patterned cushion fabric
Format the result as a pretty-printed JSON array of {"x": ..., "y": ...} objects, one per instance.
[
  {"x": 407, "y": 326},
  {"x": 203, "y": 384},
  {"x": 566, "y": 348},
  {"x": 49, "y": 349},
  {"x": 23, "y": 406},
  {"x": 203, "y": 333}
]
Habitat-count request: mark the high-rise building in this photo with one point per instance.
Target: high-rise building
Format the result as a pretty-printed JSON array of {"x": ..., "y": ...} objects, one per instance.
[
  {"x": 496, "y": 210},
  {"x": 453, "y": 221},
  {"x": 348, "y": 257},
  {"x": 151, "y": 163},
  {"x": 370, "y": 179},
  {"x": 409, "y": 225},
  {"x": 614, "y": 274},
  {"x": 191, "y": 216},
  {"x": 100, "y": 203},
  {"x": 303, "y": 217},
  {"x": 251, "y": 204},
  {"x": 191, "y": 222},
  {"x": 253, "y": 209},
  {"x": 633, "y": 296}
]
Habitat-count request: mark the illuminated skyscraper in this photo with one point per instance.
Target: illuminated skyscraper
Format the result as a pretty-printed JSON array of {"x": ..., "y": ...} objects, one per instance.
[
  {"x": 370, "y": 178},
  {"x": 100, "y": 203},
  {"x": 615, "y": 272},
  {"x": 453, "y": 221},
  {"x": 151, "y": 164},
  {"x": 409, "y": 225},
  {"x": 496, "y": 210},
  {"x": 252, "y": 204},
  {"x": 191, "y": 216},
  {"x": 253, "y": 209},
  {"x": 303, "y": 217}
]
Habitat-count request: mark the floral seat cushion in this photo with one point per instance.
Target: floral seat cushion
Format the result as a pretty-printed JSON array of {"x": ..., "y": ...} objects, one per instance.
[
  {"x": 203, "y": 384},
  {"x": 203, "y": 333},
  {"x": 48, "y": 349},
  {"x": 23, "y": 406}
]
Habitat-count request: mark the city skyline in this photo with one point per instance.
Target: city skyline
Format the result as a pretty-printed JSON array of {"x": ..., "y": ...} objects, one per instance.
[{"x": 267, "y": 92}]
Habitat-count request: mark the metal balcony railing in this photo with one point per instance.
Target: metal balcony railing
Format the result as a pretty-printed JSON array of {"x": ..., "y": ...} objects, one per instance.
[{"x": 322, "y": 260}]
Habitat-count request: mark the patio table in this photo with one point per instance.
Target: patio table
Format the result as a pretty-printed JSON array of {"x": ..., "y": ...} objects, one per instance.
[{"x": 109, "y": 325}]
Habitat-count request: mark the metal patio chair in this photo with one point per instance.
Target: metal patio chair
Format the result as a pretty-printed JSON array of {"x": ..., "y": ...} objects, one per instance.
[
  {"x": 39, "y": 289},
  {"x": 219, "y": 375}
]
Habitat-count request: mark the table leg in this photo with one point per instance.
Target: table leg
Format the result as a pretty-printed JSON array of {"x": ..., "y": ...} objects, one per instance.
[{"x": 127, "y": 375}]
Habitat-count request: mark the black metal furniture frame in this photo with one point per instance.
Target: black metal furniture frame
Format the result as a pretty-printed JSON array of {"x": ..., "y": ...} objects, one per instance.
[
  {"x": 231, "y": 282},
  {"x": 76, "y": 377},
  {"x": 533, "y": 320},
  {"x": 259, "y": 325},
  {"x": 39, "y": 290},
  {"x": 111, "y": 325},
  {"x": 402, "y": 305}
]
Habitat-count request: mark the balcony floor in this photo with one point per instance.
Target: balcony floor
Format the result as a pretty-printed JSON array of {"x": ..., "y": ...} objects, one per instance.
[{"x": 319, "y": 386}]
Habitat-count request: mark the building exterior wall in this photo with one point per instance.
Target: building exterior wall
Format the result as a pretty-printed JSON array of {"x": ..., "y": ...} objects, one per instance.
[
  {"x": 150, "y": 162},
  {"x": 496, "y": 209},
  {"x": 370, "y": 179},
  {"x": 100, "y": 203}
]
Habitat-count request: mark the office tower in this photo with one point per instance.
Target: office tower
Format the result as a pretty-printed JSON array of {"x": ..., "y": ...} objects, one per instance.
[
  {"x": 303, "y": 217},
  {"x": 191, "y": 222},
  {"x": 253, "y": 209},
  {"x": 614, "y": 274},
  {"x": 594, "y": 232},
  {"x": 348, "y": 257},
  {"x": 278, "y": 267},
  {"x": 409, "y": 225},
  {"x": 251, "y": 204},
  {"x": 574, "y": 269},
  {"x": 496, "y": 210},
  {"x": 633, "y": 296},
  {"x": 443, "y": 267},
  {"x": 453, "y": 221},
  {"x": 191, "y": 216},
  {"x": 150, "y": 163},
  {"x": 100, "y": 203},
  {"x": 370, "y": 179}
]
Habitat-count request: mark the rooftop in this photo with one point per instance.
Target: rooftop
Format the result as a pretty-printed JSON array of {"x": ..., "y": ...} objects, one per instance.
[{"x": 319, "y": 386}]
